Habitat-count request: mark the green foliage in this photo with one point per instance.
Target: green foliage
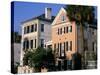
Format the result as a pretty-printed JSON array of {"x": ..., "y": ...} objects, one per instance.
[
  {"x": 81, "y": 13},
  {"x": 90, "y": 55},
  {"x": 15, "y": 37},
  {"x": 27, "y": 56},
  {"x": 41, "y": 57}
]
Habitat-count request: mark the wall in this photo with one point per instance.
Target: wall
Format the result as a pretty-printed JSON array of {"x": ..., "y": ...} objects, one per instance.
[{"x": 17, "y": 48}]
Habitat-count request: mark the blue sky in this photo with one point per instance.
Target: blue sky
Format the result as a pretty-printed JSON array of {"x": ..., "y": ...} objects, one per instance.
[{"x": 27, "y": 10}]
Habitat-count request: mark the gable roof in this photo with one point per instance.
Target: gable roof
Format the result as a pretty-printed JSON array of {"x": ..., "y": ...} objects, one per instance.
[
  {"x": 40, "y": 17},
  {"x": 62, "y": 9}
]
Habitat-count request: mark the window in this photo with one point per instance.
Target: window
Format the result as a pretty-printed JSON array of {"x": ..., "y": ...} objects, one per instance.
[
  {"x": 42, "y": 27},
  {"x": 27, "y": 29},
  {"x": 66, "y": 29},
  {"x": 31, "y": 43},
  {"x": 35, "y": 27},
  {"x": 70, "y": 29},
  {"x": 63, "y": 18},
  {"x": 60, "y": 48},
  {"x": 70, "y": 45},
  {"x": 32, "y": 28},
  {"x": 35, "y": 43},
  {"x": 24, "y": 30},
  {"x": 94, "y": 46},
  {"x": 67, "y": 46},
  {"x": 24, "y": 45},
  {"x": 85, "y": 44},
  {"x": 60, "y": 30},
  {"x": 27, "y": 44},
  {"x": 42, "y": 42},
  {"x": 54, "y": 46},
  {"x": 64, "y": 47}
]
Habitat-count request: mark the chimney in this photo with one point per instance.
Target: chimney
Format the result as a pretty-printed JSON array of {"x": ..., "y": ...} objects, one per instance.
[{"x": 48, "y": 13}]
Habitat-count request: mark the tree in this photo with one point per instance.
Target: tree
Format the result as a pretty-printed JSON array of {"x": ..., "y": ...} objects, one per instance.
[
  {"x": 27, "y": 56},
  {"x": 15, "y": 37},
  {"x": 39, "y": 58},
  {"x": 81, "y": 15}
]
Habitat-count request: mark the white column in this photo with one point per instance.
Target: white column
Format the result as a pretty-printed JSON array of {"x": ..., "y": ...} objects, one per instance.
[
  {"x": 22, "y": 53},
  {"x": 33, "y": 43},
  {"x": 29, "y": 43}
]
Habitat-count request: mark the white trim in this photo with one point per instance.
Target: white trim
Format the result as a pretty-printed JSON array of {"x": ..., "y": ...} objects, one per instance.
[{"x": 63, "y": 24}]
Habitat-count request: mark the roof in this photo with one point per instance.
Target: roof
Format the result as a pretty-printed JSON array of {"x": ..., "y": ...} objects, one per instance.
[
  {"x": 58, "y": 14},
  {"x": 40, "y": 17}
]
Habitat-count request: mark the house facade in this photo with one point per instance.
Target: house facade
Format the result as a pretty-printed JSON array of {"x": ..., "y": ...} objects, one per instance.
[
  {"x": 35, "y": 32},
  {"x": 66, "y": 40},
  {"x": 64, "y": 37}
]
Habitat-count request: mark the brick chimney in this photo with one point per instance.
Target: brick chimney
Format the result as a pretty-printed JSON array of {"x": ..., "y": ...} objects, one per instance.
[{"x": 48, "y": 13}]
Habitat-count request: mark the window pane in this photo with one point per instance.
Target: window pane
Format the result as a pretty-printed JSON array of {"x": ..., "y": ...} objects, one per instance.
[
  {"x": 54, "y": 46},
  {"x": 66, "y": 46},
  {"x": 35, "y": 27},
  {"x": 27, "y": 44},
  {"x": 24, "y": 45},
  {"x": 93, "y": 46},
  {"x": 63, "y": 18},
  {"x": 32, "y": 28},
  {"x": 35, "y": 43},
  {"x": 42, "y": 27},
  {"x": 31, "y": 43},
  {"x": 60, "y": 48},
  {"x": 60, "y": 30},
  {"x": 42, "y": 42},
  {"x": 64, "y": 29},
  {"x": 70, "y": 28},
  {"x": 27, "y": 29},
  {"x": 70, "y": 45}
]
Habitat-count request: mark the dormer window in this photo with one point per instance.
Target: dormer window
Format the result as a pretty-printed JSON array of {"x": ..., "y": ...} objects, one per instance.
[{"x": 63, "y": 18}]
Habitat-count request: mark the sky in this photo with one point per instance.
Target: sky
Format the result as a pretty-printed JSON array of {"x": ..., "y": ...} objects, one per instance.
[{"x": 26, "y": 10}]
